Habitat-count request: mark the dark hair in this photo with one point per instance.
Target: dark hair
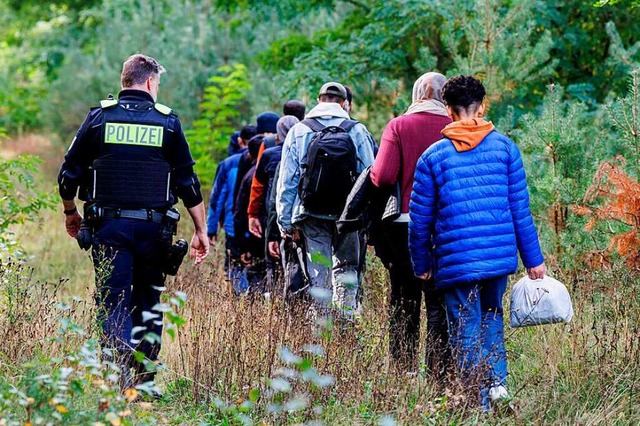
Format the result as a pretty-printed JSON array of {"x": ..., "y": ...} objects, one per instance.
[
  {"x": 248, "y": 132},
  {"x": 138, "y": 68},
  {"x": 233, "y": 147},
  {"x": 254, "y": 145},
  {"x": 463, "y": 93},
  {"x": 349, "y": 94},
  {"x": 331, "y": 98},
  {"x": 295, "y": 108}
]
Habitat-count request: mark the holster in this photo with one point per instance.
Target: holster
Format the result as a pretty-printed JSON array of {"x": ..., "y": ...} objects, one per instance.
[
  {"x": 169, "y": 228},
  {"x": 85, "y": 235},
  {"x": 92, "y": 215},
  {"x": 171, "y": 254}
]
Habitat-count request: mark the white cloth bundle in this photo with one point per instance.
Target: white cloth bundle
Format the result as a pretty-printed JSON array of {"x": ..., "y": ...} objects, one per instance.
[{"x": 536, "y": 302}]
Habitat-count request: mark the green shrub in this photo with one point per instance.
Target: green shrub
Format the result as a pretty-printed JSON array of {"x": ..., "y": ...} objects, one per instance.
[
  {"x": 219, "y": 114},
  {"x": 20, "y": 201}
]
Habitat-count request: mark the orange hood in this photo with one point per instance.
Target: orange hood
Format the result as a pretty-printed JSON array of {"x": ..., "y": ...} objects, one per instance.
[{"x": 467, "y": 134}]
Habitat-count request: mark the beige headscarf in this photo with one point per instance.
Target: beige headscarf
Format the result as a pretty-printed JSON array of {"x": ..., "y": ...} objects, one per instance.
[{"x": 427, "y": 94}]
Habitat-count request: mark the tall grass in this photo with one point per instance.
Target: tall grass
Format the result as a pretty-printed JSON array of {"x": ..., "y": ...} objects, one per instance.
[
  {"x": 229, "y": 350},
  {"x": 585, "y": 372}
]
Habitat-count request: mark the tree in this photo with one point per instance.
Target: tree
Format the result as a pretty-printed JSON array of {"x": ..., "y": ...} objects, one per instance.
[
  {"x": 59, "y": 61},
  {"x": 622, "y": 59},
  {"x": 624, "y": 113},
  {"x": 499, "y": 42},
  {"x": 381, "y": 47},
  {"x": 559, "y": 146},
  {"x": 220, "y": 111},
  {"x": 583, "y": 48},
  {"x": 612, "y": 202}
]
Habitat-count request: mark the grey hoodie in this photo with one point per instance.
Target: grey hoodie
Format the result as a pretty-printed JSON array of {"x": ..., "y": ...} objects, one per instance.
[{"x": 294, "y": 152}]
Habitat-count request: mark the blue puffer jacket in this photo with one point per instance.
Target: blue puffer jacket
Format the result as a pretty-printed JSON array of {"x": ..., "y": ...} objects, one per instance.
[
  {"x": 222, "y": 199},
  {"x": 469, "y": 212}
]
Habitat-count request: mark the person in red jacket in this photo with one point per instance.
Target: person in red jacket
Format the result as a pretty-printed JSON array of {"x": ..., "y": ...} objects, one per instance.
[{"x": 404, "y": 139}]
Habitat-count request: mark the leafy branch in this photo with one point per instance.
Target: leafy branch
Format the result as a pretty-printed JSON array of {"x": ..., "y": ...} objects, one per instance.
[
  {"x": 614, "y": 198},
  {"x": 602, "y": 3},
  {"x": 20, "y": 201},
  {"x": 219, "y": 113}
]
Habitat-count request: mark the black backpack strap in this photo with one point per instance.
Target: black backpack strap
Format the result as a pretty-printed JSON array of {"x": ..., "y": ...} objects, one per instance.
[
  {"x": 313, "y": 124},
  {"x": 347, "y": 125}
]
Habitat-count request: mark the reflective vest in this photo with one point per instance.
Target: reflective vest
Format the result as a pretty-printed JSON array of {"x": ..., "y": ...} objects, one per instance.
[{"x": 131, "y": 171}]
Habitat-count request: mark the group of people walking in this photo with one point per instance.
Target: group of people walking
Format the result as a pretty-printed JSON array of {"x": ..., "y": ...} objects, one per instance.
[{"x": 281, "y": 196}]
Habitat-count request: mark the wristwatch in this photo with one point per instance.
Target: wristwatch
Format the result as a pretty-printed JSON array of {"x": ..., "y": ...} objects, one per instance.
[{"x": 71, "y": 211}]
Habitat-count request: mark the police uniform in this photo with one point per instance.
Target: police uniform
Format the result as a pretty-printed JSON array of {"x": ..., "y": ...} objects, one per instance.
[{"x": 130, "y": 159}]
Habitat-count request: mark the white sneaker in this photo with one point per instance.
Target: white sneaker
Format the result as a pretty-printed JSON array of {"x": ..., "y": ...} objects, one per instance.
[
  {"x": 501, "y": 401},
  {"x": 497, "y": 393}
]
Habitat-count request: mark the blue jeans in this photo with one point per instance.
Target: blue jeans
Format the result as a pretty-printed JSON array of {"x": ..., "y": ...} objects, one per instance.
[
  {"x": 129, "y": 281},
  {"x": 476, "y": 332}
]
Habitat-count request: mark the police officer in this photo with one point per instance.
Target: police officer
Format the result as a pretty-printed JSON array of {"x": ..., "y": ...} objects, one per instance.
[{"x": 128, "y": 162}]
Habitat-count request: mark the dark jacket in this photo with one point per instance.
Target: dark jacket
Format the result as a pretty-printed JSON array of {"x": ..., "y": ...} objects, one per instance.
[
  {"x": 265, "y": 173},
  {"x": 246, "y": 241},
  {"x": 133, "y": 105},
  {"x": 223, "y": 196},
  {"x": 368, "y": 205},
  {"x": 272, "y": 231}
]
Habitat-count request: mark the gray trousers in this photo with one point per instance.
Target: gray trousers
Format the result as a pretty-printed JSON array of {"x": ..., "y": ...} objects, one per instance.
[{"x": 332, "y": 263}]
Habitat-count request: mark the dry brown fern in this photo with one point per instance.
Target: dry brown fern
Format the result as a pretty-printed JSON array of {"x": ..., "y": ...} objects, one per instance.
[{"x": 615, "y": 197}]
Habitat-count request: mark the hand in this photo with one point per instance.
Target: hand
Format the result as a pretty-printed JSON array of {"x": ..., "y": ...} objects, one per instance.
[
  {"x": 199, "y": 241},
  {"x": 199, "y": 247},
  {"x": 213, "y": 239},
  {"x": 274, "y": 249},
  {"x": 426, "y": 276},
  {"x": 72, "y": 223},
  {"x": 245, "y": 259},
  {"x": 255, "y": 227},
  {"x": 538, "y": 272},
  {"x": 294, "y": 234}
]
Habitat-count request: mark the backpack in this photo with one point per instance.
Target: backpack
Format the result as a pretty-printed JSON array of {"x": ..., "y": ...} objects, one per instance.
[{"x": 330, "y": 170}]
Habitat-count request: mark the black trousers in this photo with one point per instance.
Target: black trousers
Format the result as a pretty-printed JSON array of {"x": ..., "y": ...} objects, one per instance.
[
  {"x": 405, "y": 302},
  {"x": 129, "y": 281}
]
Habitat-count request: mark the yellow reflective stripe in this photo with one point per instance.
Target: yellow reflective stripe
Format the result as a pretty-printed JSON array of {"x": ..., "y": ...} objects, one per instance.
[
  {"x": 133, "y": 134},
  {"x": 107, "y": 103},
  {"x": 163, "y": 109}
]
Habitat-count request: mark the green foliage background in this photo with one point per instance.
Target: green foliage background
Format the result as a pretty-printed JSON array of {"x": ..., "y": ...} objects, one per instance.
[
  {"x": 562, "y": 81},
  {"x": 227, "y": 61},
  {"x": 219, "y": 113},
  {"x": 58, "y": 59}
]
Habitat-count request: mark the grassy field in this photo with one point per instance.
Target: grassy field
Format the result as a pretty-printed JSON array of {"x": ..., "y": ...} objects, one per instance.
[{"x": 227, "y": 365}]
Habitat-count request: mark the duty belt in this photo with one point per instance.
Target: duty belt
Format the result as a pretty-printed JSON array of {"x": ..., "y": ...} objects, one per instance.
[{"x": 142, "y": 214}]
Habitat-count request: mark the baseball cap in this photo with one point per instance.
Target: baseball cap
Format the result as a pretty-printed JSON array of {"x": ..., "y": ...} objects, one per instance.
[{"x": 333, "y": 88}]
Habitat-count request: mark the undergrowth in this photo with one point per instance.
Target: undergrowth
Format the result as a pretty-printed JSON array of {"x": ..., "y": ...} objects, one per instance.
[{"x": 257, "y": 361}]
